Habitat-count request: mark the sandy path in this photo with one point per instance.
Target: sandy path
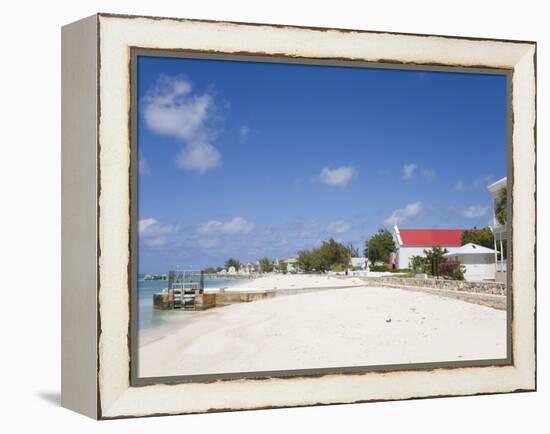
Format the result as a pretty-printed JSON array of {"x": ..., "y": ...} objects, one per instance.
[{"x": 341, "y": 327}]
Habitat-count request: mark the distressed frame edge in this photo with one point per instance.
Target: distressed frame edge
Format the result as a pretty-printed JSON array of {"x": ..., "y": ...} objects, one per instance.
[
  {"x": 305, "y": 27},
  {"x": 529, "y": 388},
  {"x": 79, "y": 135}
]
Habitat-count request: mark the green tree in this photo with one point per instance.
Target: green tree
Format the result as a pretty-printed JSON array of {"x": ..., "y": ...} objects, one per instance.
[
  {"x": 353, "y": 251},
  {"x": 266, "y": 265},
  {"x": 434, "y": 259},
  {"x": 210, "y": 270},
  {"x": 330, "y": 255},
  {"x": 418, "y": 264},
  {"x": 482, "y": 237},
  {"x": 306, "y": 260},
  {"x": 334, "y": 254},
  {"x": 380, "y": 246},
  {"x": 232, "y": 262},
  {"x": 500, "y": 205}
]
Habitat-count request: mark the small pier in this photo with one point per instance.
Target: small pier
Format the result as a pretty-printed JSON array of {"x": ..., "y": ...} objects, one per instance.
[{"x": 184, "y": 291}]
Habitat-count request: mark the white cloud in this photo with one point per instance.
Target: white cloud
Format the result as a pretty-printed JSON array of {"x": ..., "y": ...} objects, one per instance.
[
  {"x": 340, "y": 176},
  {"x": 401, "y": 215},
  {"x": 143, "y": 167},
  {"x": 459, "y": 186},
  {"x": 338, "y": 227},
  {"x": 172, "y": 109},
  {"x": 155, "y": 241},
  {"x": 475, "y": 211},
  {"x": 199, "y": 157},
  {"x": 154, "y": 234},
  {"x": 408, "y": 170},
  {"x": 238, "y": 225},
  {"x": 428, "y": 174},
  {"x": 145, "y": 223},
  {"x": 244, "y": 132}
]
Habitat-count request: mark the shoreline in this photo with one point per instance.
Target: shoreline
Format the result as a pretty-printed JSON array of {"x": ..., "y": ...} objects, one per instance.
[{"x": 279, "y": 282}]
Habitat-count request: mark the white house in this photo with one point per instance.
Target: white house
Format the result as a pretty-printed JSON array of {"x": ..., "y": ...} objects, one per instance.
[
  {"x": 247, "y": 268},
  {"x": 359, "y": 262},
  {"x": 479, "y": 261},
  {"x": 291, "y": 265},
  {"x": 499, "y": 232},
  {"x": 413, "y": 242}
]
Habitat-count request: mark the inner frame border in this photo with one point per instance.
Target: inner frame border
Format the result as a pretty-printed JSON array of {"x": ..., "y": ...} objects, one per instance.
[{"x": 133, "y": 326}]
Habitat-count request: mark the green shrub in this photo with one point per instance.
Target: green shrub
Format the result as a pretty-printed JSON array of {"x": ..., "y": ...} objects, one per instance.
[
  {"x": 339, "y": 267},
  {"x": 379, "y": 268},
  {"x": 418, "y": 264},
  {"x": 452, "y": 270},
  {"x": 399, "y": 270}
]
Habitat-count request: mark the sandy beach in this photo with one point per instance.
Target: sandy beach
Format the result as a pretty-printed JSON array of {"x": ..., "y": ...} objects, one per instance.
[{"x": 344, "y": 326}]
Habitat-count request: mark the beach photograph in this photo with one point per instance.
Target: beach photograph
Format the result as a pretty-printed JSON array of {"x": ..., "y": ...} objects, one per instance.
[{"x": 301, "y": 217}]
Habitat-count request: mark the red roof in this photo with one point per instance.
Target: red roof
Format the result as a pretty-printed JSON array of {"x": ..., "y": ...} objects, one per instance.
[{"x": 431, "y": 237}]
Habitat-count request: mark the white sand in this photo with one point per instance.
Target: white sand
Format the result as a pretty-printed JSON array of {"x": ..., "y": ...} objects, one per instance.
[
  {"x": 293, "y": 281},
  {"x": 340, "y": 327}
]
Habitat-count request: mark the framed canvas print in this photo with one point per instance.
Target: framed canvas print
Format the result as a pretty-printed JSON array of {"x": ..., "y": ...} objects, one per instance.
[{"x": 261, "y": 216}]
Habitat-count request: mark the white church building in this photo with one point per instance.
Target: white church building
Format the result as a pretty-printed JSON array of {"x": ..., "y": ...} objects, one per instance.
[
  {"x": 413, "y": 242},
  {"x": 479, "y": 261}
]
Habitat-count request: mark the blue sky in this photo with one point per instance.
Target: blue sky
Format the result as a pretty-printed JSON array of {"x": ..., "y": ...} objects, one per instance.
[{"x": 242, "y": 159}]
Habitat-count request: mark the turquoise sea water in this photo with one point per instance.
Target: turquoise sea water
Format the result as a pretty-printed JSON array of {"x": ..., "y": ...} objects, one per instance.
[{"x": 149, "y": 317}]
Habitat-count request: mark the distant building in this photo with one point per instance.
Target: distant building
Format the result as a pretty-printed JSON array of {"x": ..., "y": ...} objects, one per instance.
[
  {"x": 499, "y": 232},
  {"x": 248, "y": 268},
  {"x": 478, "y": 261},
  {"x": 231, "y": 270},
  {"x": 291, "y": 264},
  {"x": 359, "y": 262},
  {"x": 413, "y": 242}
]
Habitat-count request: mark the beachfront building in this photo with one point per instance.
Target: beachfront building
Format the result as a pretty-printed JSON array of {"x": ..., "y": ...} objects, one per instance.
[
  {"x": 413, "y": 242},
  {"x": 291, "y": 265},
  {"x": 359, "y": 262},
  {"x": 499, "y": 231},
  {"x": 248, "y": 268},
  {"x": 478, "y": 261}
]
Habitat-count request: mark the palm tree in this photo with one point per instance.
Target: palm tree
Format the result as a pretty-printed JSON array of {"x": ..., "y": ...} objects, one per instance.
[{"x": 501, "y": 205}]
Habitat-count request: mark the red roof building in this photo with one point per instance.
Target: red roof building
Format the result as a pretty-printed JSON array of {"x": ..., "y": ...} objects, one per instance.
[
  {"x": 413, "y": 242},
  {"x": 431, "y": 237}
]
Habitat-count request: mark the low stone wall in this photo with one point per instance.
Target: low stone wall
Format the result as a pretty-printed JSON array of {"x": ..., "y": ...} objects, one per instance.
[
  {"x": 205, "y": 301},
  {"x": 162, "y": 300},
  {"x": 494, "y": 288},
  {"x": 230, "y": 297}
]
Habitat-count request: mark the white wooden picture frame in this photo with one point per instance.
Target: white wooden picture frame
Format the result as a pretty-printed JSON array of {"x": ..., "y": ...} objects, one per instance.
[{"x": 97, "y": 215}]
